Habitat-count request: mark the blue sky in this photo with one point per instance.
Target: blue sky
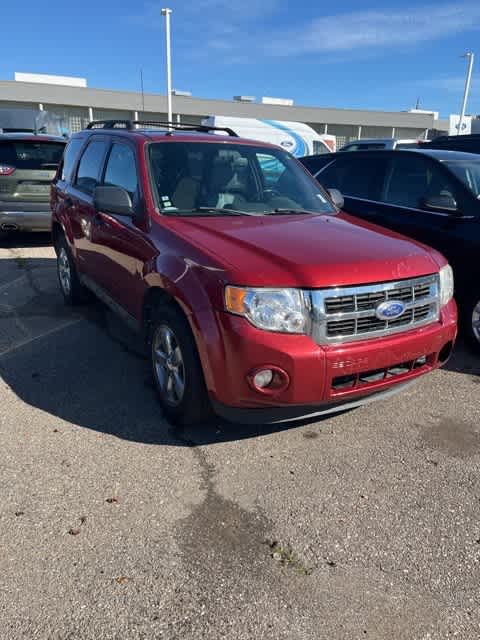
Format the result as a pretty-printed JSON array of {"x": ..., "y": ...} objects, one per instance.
[{"x": 358, "y": 54}]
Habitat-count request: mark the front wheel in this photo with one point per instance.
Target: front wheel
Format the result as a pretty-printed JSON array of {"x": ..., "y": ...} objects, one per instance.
[
  {"x": 176, "y": 368},
  {"x": 470, "y": 311}
]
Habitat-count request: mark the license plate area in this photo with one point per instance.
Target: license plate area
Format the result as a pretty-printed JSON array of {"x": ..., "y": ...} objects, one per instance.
[{"x": 34, "y": 188}]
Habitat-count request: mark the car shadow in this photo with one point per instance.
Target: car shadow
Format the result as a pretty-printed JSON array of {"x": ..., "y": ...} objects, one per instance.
[
  {"x": 21, "y": 240},
  {"x": 85, "y": 367},
  {"x": 464, "y": 360}
]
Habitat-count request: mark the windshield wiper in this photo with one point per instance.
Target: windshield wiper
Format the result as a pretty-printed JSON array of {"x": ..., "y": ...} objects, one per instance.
[
  {"x": 205, "y": 211},
  {"x": 286, "y": 212},
  {"x": 233, "y": 212}
]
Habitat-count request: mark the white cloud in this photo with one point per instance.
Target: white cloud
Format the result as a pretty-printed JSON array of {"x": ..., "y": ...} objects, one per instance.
[
  {"x": 453, "y": 84},
  {"x": 372, "y": 29},
  {"x": 245, "y": 30}
]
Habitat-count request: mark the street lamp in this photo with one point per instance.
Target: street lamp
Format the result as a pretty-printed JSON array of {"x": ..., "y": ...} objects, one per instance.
[
  {"x": 167, "y": 12},
  {"x": 468, "y": 79}
]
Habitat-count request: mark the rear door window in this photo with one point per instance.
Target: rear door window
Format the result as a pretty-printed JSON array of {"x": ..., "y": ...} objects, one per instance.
[
  {"x": 356, "y": 176},
  {"x": 91, "y": 165},
  {"x": 26, "y": 154},
  {"x": 69, "y": 158},
  {"x": 412, "y": 179}
]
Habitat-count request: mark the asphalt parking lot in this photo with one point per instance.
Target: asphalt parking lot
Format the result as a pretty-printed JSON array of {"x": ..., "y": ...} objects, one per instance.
[{"x": 115, "y": 525}]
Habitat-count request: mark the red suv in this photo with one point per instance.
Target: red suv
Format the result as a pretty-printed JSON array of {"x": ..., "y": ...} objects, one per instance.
[{"x": 257, "y": 296}]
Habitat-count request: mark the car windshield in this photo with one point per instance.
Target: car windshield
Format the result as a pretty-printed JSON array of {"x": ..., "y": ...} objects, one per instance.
[
  {"x": 469, "y": 173},
  {"x": 210, "y": 178},
  {"x": 27, "y": 154}
]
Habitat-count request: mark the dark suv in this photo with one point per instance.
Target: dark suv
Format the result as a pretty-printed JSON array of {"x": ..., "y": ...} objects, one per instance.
[
  {"x": 430, "y": 195},
  {"x": 28, "y": 163},
  {"x": 256, "y": 295},
  {"x": 468, "y": 143}
]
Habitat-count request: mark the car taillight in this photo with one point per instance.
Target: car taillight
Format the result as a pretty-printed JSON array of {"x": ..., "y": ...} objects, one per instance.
[{"x": 6, "y": 170}]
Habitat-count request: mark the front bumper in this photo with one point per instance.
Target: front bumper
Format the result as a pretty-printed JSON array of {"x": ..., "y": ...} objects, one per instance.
[
  {"x": 25, "y": 216},
  {"x": 323, "y": 378}
]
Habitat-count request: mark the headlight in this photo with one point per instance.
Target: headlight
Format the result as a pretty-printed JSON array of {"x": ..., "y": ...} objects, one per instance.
[
  {"x": 446, "y": 284},
  {"x": 281, "y": 310}
]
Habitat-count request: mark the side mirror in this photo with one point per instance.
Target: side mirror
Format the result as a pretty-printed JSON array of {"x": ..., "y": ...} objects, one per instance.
[
  {"x": 113, "y": 200},
  {"x": 443, "y": 203},
  {"x": 337, "y": 198}
]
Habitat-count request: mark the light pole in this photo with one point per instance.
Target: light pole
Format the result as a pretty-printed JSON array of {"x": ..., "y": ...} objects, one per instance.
[
  {"x": 167, "y": 12},
  {"x": 468, "y": 80}
]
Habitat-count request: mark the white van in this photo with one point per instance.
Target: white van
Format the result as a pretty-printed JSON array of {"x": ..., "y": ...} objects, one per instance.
[{"x": 296, "y": 137}]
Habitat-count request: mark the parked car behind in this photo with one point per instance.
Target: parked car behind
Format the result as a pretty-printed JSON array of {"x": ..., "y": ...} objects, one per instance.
[
  {"x": 28, "y": 164},
  {"x": 430, "y": 195},
  {"x": 365, "y": 144},
  {"x": 257, "y": 297},
  {"x": 468, "y": 143}
]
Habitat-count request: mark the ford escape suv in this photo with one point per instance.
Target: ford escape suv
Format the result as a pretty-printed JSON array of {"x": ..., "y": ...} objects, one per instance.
[
  {"x": 28, "y": 162},
  {"x": 258, "y": 298}
]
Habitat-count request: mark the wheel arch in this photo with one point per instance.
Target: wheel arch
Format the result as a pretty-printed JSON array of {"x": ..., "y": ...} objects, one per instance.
[
  {"x": 57, "y": 232},
  {"x": 200, "y": 325}
]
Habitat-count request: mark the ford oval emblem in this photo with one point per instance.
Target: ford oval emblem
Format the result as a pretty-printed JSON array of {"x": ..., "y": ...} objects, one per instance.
[
  {"x": 389, "y": 310},
  {"x": 287, "y": 144}
]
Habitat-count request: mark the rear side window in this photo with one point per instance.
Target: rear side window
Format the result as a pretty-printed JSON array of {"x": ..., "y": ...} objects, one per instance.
[
  {"x": 364, "y": 147},
  {"x": 69, "y": 158},
  {"x": 121, "y": 168},
  {"x": 90, "y": 167},
  {"x": 26, "y": 154},
  {"x": 355, "y": 175}
]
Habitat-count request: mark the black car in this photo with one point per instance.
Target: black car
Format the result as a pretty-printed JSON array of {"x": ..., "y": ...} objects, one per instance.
[
  {"x": 430, "y": 195},
  {"x": 468, "y": 143}
]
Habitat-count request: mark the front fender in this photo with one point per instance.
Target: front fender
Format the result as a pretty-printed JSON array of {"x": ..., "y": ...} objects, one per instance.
[{"x": 198, "y": 290}]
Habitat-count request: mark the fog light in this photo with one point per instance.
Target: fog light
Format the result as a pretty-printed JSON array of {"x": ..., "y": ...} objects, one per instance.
[
  {"x": 263, "y": 378},
  {"x": 268, "y": 380},
  {"x": 420, "y": 362}
]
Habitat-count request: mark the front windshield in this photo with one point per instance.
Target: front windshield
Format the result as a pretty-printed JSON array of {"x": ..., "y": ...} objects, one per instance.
[
  {"x": 469, "y": 173},
  {"x": 210, "y": 178}
]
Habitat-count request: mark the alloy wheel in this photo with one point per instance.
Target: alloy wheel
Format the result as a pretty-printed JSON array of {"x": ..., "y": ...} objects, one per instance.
[
  {"x": 64, "y": 272},
  {"x": 476, "y": 321},
  {"x": 168, "y": 365}
]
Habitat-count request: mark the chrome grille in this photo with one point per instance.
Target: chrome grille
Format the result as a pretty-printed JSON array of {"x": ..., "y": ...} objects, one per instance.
[{"x": 345, "y": 314}]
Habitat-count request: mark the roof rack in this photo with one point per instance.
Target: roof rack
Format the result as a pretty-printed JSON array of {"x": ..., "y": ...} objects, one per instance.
[{"x": 170, "y": 126}]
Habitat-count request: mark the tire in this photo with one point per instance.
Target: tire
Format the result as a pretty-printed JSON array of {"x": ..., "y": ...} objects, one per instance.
[
  {"x": 73, "y": 291},
  {"x": 177, "y": 372},
  {"x": 470, "y": 320}
]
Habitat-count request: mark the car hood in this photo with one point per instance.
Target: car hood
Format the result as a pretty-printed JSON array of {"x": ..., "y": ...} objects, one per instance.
[{"x": 306, "y": 250}]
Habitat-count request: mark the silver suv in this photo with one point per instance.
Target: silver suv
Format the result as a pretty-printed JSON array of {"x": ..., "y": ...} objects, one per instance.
[
  {"x": 380, "y": 143},
  {"x": 28, "y": 164}
]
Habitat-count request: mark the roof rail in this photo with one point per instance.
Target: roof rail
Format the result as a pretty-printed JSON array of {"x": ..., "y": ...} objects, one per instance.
[{"x": 170, "y": 126}]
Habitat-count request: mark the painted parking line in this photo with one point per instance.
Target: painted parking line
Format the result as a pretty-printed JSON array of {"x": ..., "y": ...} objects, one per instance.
[
  {"x": 23, "y": 343},
  {"x": 7, "y": 285}
]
